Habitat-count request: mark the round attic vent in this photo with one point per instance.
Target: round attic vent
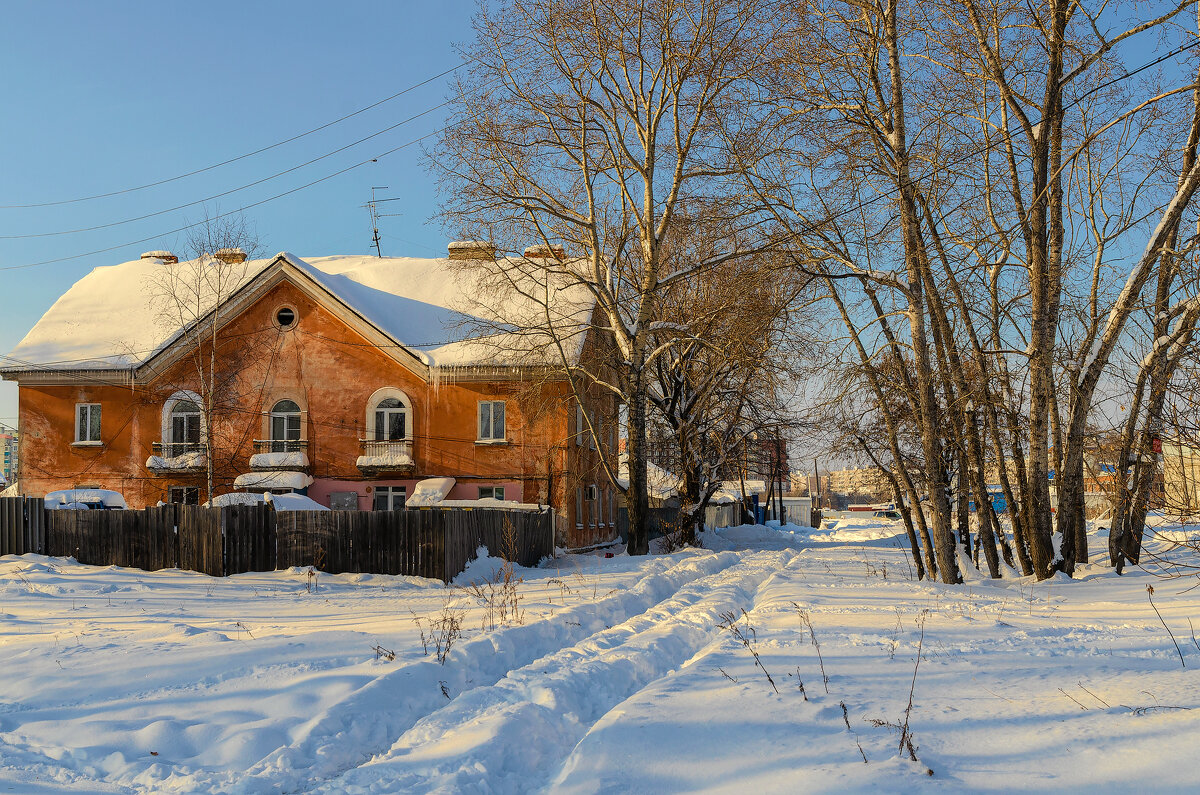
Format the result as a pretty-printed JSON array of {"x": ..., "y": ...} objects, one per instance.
[{"x": 285, "y": 317}]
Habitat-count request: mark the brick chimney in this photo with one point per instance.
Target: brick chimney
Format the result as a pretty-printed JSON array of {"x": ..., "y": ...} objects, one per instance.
[
  {"x": 230, "y": 256},
  {"x": 165, "y": 256},
  {"x": 471, "y": 249},
  {"x": 546, "y": 252}
]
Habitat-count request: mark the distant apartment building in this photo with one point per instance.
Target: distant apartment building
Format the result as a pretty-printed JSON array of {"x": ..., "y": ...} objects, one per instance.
[
  {"x": 8, "y": 456},
  {"x": 859, "y": 481}
]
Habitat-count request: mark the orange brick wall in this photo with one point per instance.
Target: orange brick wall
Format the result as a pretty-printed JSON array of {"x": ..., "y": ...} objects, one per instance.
[{"x": 331, "y": 372}]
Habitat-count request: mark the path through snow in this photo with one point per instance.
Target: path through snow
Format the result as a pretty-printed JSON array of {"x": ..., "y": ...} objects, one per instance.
[{"x": 618, "y": 680}]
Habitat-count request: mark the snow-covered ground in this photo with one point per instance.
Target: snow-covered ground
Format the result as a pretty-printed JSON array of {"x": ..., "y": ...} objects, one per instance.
[{"x": 617, "y": 678}]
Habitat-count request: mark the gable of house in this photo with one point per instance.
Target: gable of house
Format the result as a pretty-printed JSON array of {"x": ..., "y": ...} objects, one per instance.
[{"x": 114, "y": 318}]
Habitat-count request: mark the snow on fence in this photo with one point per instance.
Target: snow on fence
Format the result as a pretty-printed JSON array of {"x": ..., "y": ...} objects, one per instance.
[
  {"x": 239, "y": 538},
  {"x": 728, "y": 515}
]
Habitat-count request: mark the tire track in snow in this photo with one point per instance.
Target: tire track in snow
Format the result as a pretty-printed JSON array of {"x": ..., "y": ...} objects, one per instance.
[
  {"x": 369, "y": 721},
  {"x": 514, "y": 735}
]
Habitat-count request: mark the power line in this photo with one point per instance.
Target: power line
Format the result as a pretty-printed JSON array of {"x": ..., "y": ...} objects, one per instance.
[
  {"x": 239, "y": 157},
  {"x": 185, "y": 227},
  {"x": 807, "y": 228},
  {"x": 231, "y": 191}
]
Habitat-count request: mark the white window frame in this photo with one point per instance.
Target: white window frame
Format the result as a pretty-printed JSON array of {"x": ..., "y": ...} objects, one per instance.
[
  {"x": 392, "y": 492},
  {"x": 492, "y": 436},
  {"x": 286, "y": 418},
  {"x": 383, "y": 434},
  {"x": 380, "y": 395},
  {"x": 83, "y": 427},
  {"x": 168, "y": 413},
  {"x": 191, "y": 420},
  {"x": 492, "y": 492}
]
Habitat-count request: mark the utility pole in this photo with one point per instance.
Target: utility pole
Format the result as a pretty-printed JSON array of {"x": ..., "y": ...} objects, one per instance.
[{"x": 817, "y": 481}]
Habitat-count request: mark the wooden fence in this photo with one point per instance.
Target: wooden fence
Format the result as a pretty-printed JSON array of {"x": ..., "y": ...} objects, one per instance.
[
  {"x": 727, "y": 515},
  {"x": 22, "y": 526},
  {"x": 240, "y": 538}
]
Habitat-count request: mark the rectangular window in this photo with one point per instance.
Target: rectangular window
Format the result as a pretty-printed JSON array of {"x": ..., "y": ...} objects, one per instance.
[
  {"x": 389, "y": 498},
  {"x": 595, "y": 434},
  {"x": 491, "y": 421},
  {"x": 285, "y": 427},
  {"x": 87, "y": 422},
  {"x": 578, "y": 424},
  {"x": 491, "y": 492},
  {"x": 593, "y": 498},
  {"x": 185, "y": 428},
  {"x": 579, "y": 506},
  {"x": 183, "y": 495}
]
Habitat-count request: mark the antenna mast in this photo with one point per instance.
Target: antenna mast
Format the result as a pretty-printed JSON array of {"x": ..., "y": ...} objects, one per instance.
[
  {"x": 373, "y": 209},
  {"x": 375, "y": 219}
]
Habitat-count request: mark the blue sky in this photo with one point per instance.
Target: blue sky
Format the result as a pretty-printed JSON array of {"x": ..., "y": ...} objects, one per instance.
[{"x": 102, "y": 97}]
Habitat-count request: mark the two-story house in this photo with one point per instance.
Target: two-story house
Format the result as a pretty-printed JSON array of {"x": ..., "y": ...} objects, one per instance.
[{"x": 347, "y": 378}]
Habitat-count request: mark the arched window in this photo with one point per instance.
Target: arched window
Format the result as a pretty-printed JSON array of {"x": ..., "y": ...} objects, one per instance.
[
  {"x": 391, "y": 420},
  {"x": 389, "y": 416},
  {"x": 285, "y": 427},
  {"x": 185, "y": 424}
]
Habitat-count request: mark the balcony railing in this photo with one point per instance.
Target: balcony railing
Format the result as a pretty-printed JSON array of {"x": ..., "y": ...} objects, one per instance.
[
  {"x": 175, "y": 449},
  {"x": 178, "y": 457},
  {"x": 280, "y": 446},
  {"x": 386, "y": 455}
]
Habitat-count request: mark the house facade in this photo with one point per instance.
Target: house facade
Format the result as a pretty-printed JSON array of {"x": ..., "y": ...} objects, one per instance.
[{"x": 349, "y": 379}]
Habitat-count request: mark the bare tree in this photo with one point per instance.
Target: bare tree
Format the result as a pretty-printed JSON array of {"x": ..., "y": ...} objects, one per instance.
[
  {"x": 588, "y": 126},
  {"x": 188, "y": 295},
  {"x": 723, "y": 378},
  {"x": 927, "y": 174}
]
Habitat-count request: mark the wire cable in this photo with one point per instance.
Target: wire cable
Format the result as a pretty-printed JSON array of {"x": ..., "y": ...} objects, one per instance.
[
  {"x": 806, "y": 228},
  {"x": 231, "y": 191},
  {"x": 413, "y": 87},
  {"x": 185, "y": 227}
]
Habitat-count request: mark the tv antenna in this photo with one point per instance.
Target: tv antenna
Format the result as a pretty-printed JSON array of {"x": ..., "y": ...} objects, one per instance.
[{"x": 376, "y": 215}]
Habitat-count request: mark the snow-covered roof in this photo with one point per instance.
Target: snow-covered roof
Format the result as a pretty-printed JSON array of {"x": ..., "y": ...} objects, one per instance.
[
  {"x": 272, "y": 481},
  {"x": 282, "y": 502},
  {"x": 112, "y": 318},
  {"x": 660, "y": 484},
  {"x": 105, "y": 497},
  {"x": 731, "y": 491},
  {"x": 430, "y": 491},
  {"x": 486, "y": 502}
]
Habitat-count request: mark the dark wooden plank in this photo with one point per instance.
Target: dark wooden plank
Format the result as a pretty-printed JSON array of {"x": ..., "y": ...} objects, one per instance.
[{"x": 8, "y": 526}]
